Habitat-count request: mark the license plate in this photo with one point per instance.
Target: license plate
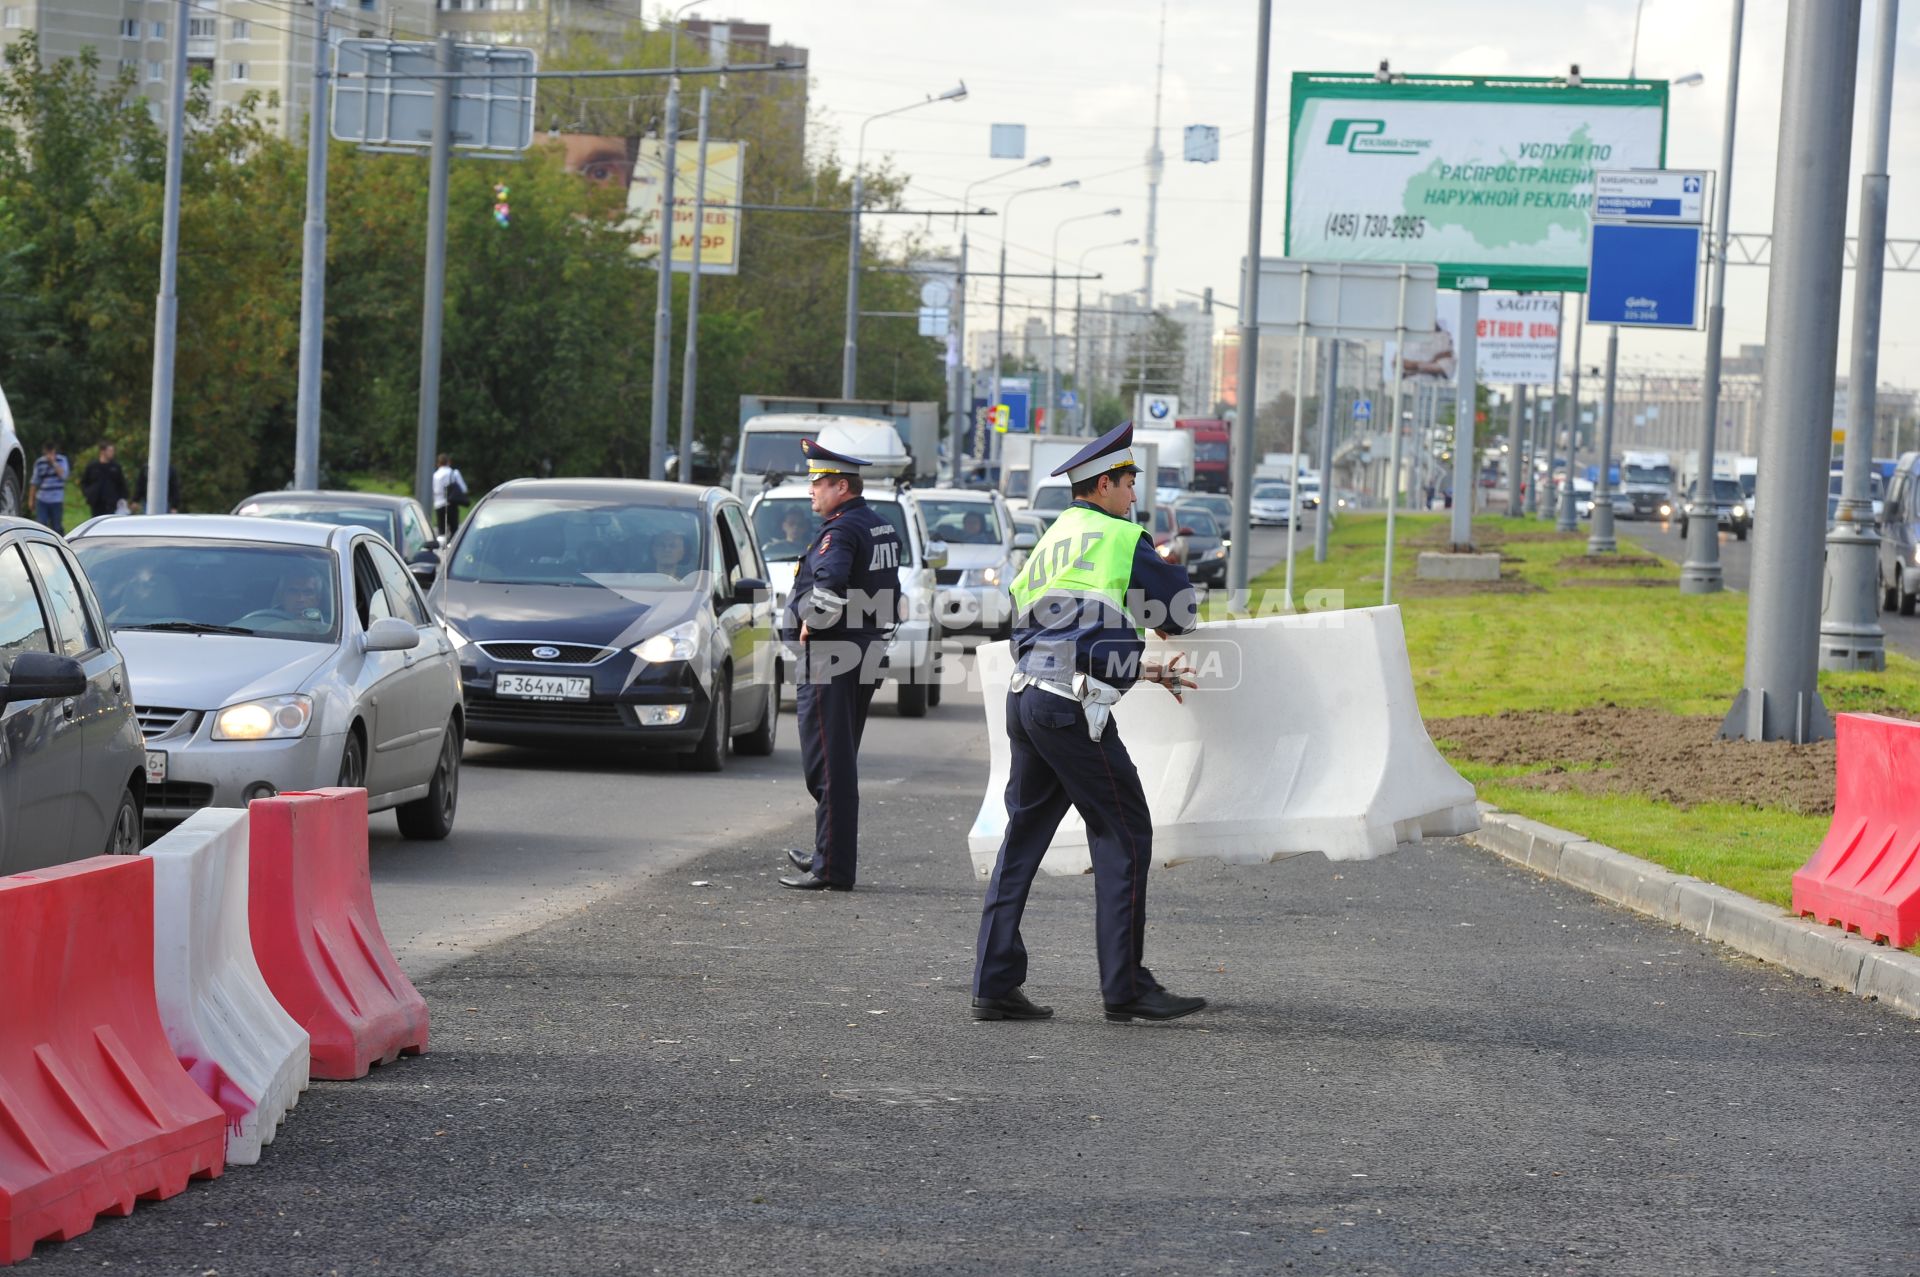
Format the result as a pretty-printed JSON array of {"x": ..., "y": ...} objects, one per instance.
[
  {"x": 156, "y": 767},
  {"x": 543, "y": 687}
]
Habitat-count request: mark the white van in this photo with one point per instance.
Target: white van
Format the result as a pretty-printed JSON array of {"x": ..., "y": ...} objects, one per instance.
[{"x": 13, "y": 479}]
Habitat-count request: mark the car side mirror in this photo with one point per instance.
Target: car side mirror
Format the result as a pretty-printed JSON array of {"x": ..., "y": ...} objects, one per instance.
[
  {"x": 390, "y": 634},
  {"x": 937, "y": 554},
  {"x": 38, "y": 675},
  {"x": 747, "y": 589},
  {"x": 1025, "y": 540}
]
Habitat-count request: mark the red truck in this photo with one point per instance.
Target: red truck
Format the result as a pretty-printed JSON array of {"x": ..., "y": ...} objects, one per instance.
[{"x": 1211, "y": 451}]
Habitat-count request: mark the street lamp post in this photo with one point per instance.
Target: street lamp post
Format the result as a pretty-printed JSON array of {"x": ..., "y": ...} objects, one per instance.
[
  {"x": 1079, "y": 269},
  {"x": 963, "y": 382},
  {"x": 850, "y": 358},
  {"x": 1000, "y": 309},
  {"x": 1053, "y": 310}
]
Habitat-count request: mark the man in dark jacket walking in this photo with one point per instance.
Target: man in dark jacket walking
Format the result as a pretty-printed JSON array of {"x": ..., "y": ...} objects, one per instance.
[{"x": 104, "y": 483}]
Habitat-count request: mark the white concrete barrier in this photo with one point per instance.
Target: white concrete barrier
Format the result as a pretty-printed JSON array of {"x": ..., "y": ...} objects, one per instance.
[
  {"x": 228, "y": 1031},
  {"x": 1304, "y": 736}
]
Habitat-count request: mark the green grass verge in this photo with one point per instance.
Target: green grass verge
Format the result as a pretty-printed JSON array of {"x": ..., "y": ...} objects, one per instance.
[{"x": 1560, "y": 638}]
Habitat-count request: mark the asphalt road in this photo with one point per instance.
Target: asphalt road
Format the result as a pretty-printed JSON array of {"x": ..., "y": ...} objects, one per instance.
[
  {"x": 1430, "y": 1063},
  {"x": 1736, "y": 566}
]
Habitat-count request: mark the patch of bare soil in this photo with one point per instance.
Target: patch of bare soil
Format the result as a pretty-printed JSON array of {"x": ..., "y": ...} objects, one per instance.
[
  {"x": 1667, "y": 757},
  {"x": 1509, "y": 583},
  {"x": 1610, "y": 561},
  {"x": 1621, "y": 582}
]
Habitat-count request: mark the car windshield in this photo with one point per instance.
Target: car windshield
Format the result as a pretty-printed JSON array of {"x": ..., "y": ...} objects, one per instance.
[
  {"x": 214, "y": 587},
  {"x": 1210, "y": 450},
  {"x": 1727, "y": 490},
  {"x": 1647, "y": 474},
  {"x": 1747, "y": 482},
  {"x": 1201, "y": 521},
  {"x": 1272, "y": 492},
  {"x": 382, "y": 521},
  {"x": 784, "y": 525},
  {"x": 1053, "y": 498},
  {"x": 773, "y": 450},
  {"x": 1876, "y": 488},
  {"x": 962, "y": 522},
  {"x": 1219, "y": 507},
  {"x": 573, "y": 541}
]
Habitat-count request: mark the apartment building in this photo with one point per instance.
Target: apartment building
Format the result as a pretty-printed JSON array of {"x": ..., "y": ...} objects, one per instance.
[{"x": 243, "y": 46}]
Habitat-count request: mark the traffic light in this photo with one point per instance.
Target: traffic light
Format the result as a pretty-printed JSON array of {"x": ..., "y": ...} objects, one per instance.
[{"x": 1001, "y": 414}]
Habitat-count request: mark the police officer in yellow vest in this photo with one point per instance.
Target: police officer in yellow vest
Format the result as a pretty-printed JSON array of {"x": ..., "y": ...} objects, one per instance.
[{"x": 1088, "y": 592}]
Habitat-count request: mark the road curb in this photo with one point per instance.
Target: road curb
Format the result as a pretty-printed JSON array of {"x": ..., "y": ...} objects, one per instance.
[{"x": 1831, "y": 956}]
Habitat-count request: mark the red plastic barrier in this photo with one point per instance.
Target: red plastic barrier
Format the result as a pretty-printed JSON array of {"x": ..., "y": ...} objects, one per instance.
[
  {"x": 95, "y": 1112},
  {"x": 317, "y": 937},
  {"x": 1866, "y": 875}
]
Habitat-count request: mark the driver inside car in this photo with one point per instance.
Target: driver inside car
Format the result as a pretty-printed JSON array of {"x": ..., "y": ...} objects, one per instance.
[{"x": 299, "y": 595}]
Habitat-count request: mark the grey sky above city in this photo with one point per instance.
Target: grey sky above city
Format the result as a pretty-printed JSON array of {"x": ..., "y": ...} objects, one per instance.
[{"x": 1080, "y": 76}]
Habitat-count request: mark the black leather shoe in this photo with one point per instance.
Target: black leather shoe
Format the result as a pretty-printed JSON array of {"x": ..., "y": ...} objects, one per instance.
[
  {"x": 1157, "y": 1005},
  {"x": 1014, "y": 1005},
  {"x": 802, "y": 860},
  {"x": 813, "y": 882}
]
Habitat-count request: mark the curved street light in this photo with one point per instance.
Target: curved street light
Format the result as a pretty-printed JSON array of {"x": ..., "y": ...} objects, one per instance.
[
  {"x": 851, "y": 358},
  {"x": 1000, "y": 314},
  {"x": 1053, "y": 310},
  {"x": 1080, "y": 268}
]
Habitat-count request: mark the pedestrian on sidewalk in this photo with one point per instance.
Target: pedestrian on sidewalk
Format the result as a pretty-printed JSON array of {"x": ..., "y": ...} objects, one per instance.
[
  {"x": 1091, "y": 588},
  {"x": 449, "y": 494},
  {"x": 104, "y": 484},
  {"x": 844, "y": 604},
  {"x": 49, "y": 487}
]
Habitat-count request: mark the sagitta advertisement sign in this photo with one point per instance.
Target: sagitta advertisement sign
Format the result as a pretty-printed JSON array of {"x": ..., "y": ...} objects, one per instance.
[{"x": 1490, "y": 180}]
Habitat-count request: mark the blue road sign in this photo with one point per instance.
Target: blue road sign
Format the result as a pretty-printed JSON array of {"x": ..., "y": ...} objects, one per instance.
[
  {"x": 1069, "y": 400},
  {"x": 1644, "y": 276},
  {"x": 1363, "y": 410}
]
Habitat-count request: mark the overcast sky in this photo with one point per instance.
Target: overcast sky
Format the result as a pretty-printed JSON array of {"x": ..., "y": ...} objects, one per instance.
[{"x": 1080, "y": 75}]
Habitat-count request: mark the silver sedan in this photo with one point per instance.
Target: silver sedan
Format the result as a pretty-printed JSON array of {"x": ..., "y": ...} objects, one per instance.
[{"x": 266, "y": 656}]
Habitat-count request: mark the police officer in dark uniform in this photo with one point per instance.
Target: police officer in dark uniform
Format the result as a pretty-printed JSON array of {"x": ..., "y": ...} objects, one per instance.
[
  {"x": 1088, "y": 592},
  {"x": 845, "y": 601}
]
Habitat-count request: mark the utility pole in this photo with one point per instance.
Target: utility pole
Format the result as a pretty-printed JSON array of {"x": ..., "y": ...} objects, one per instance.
[
  {"x": 690, "y": 375},
  {"x": 1850, "y": 633},
  {"x": 1516, "y": 455},
  {"x": 1466, "y": 376},
  {"x": 663, "y": 304},
  {"x": 1247, "y": 399},
  {"x": 1780, "y": 698},
  {"x": 432, "y": 310},
  {"x": 1569, "y": 510},
  {"x": 313, "y": 277},
  {"x": 1701, "y": 574},
  {"x": 1600, "y": 538},
  {"x": 850, "y": 352},
  {"x": 1330, "y": 387},
  {"x": 166, "y": 309}
]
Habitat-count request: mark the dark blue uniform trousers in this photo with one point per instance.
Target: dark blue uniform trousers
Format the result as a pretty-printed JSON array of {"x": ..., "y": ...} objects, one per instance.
[
  {"x": 1056, "y": 766},
  {"x": 833, "y": 717}
]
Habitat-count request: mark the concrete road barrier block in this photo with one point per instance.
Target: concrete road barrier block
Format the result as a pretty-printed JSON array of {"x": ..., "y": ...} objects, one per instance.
[
  {"x": 1866, "y": 875},
  {"x": 230, "y": 1034},
  {"x": 1441, "y": 566},
  {"x": 95, "y": 1111},
  {"x": 318, "y": 939},
  {"x": 1303, "y": 736}
]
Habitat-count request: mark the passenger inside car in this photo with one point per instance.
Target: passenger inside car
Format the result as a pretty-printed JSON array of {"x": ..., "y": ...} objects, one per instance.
[{"x": 670, "y": 554}]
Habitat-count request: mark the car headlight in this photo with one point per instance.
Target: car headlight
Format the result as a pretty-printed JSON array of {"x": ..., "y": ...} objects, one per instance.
[
  {"x": 270, "y": 718},
  {"x": 981, "y": 576},
  {"x": 1739, "y": 512},
  {"x": 676, "y": 644},
  {"x": 1218, "y": 552},
  {"x": 1164, "y": 551}
]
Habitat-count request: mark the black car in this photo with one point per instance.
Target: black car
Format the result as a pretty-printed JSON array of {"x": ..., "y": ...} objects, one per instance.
[
  {"x": 1730, "y": 509},
  {"x": 401, "y": 520},
  {"x": 1206, "y": 543},
  {"x": 73, "y": 771},
  {"x": 613, "y": 611}
]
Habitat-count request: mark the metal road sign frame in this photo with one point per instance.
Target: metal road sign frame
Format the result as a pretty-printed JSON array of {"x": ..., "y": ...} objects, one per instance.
[
  {"x": 378, "y": 101},
  {"x": 1353, "y": 300}
]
